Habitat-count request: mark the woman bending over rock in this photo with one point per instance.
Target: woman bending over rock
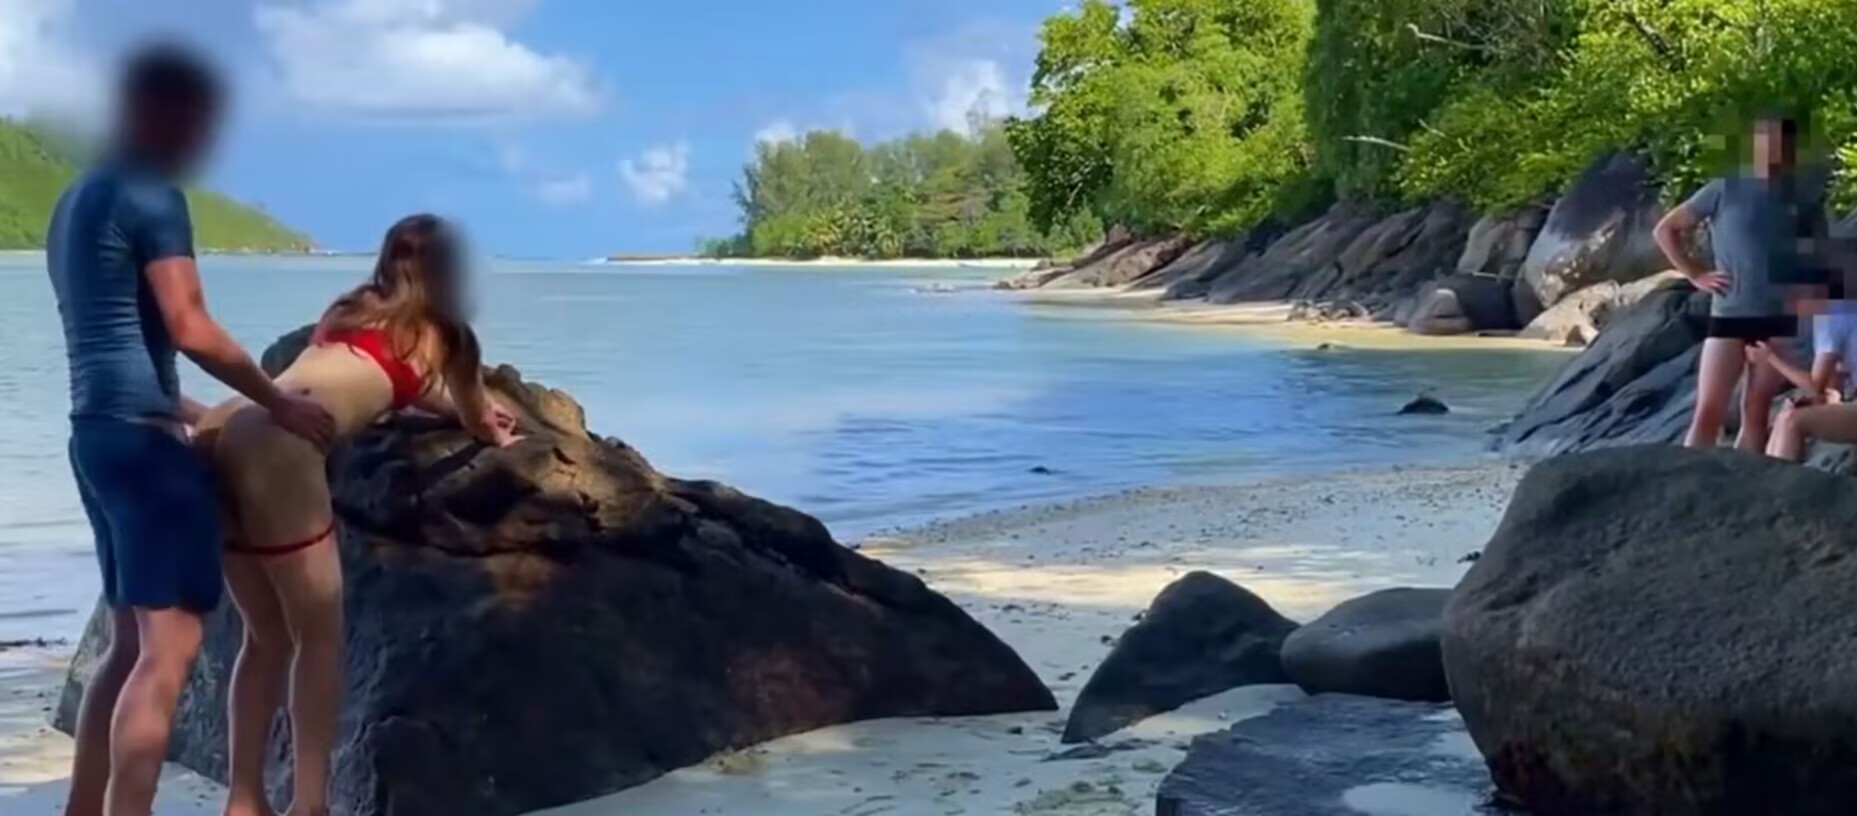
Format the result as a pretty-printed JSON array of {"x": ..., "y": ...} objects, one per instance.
[{"x": 400, "y": 340}]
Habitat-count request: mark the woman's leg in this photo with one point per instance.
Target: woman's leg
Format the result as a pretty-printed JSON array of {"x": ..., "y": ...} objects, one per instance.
[
  {"x": 257, "y": 683},
  {"x": 1788, "y": 442},
  {"x": 1825, "y": 423},
  {"x": 1723, "y": 361},
  {"x": 1764, "y": 385},
  {"x": 309, "y": 584}
]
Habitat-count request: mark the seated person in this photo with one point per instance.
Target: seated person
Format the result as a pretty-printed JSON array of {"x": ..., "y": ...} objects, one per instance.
[{"x": 1824, "y": 411}]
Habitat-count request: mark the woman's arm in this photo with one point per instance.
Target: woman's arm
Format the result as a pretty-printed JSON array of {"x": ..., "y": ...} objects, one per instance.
[
  {"x": 475, "y": 409},
  {"x": 1762, "y": 354}
]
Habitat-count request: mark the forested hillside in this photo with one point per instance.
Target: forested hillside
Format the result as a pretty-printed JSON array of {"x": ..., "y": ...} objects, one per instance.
[
  {"x": 1209, "y": 116},
  {"x": 35, "y": 164}
]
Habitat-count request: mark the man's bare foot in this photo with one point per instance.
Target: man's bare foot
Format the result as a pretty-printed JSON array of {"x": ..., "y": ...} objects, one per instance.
[
  {"x": 260, "y": 809},
  {"x": 317, "y": 810}
]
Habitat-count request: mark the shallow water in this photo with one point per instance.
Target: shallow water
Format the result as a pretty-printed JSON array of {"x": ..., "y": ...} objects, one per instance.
[{"x": 870, "y": 398}]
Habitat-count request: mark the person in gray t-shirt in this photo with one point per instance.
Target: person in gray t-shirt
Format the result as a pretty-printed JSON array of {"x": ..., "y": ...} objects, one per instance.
[{"x": 1762, "y": 228}]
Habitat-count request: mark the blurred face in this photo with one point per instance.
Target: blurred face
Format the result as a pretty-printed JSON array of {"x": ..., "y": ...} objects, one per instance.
[
  {"x": 174, "y": 134},
  {"x": 450, "y": 281},
  {"x": 1773, "y": 147}
]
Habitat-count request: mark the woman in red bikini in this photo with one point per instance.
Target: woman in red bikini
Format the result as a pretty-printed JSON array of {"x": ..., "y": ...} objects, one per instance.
[{"x": 397, "y": 341}]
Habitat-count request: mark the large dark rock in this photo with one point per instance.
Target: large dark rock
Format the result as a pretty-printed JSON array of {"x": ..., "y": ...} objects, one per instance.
[
  {"x": 1202, "y": 635},
  {"x": 1599, "y": 231},
  {"x": 1123, "y": 266},
  {"x": 1380, "y": 645},
  {"x": 1498, "y": 245},
  {"x": 1353, "y": 261},
  {"x": 1635, "y": 384},
  {"x": 1333, "y": 755},
  {"x": 1294, "y": 257},
  {"x": 548, "y": 623},
  {"x": 1579, "y": 318},
  {"x": 1194, "y": 268},
  {"x": 1464, "y": 304},
  {"x": 1660, "y": 630}
]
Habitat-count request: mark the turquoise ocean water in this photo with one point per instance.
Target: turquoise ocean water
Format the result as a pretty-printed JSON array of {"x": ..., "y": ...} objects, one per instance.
[{"x": 871, "y": 398}]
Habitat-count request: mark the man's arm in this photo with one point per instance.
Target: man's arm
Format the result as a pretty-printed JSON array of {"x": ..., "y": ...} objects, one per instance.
[
  {"x": 175, "y": 283},
  {"x": 1676, "y": 230}
]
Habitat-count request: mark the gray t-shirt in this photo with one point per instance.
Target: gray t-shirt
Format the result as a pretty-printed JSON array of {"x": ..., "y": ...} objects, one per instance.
[
  {"x": 109, "y": 225},
  {"x": 1762, "y": 237}
]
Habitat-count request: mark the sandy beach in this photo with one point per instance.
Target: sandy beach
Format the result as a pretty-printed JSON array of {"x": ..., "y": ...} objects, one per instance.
[
  {"x": 1274, "y": 320},
  {"x": 1058, "y": 583},
  {"x": 1001, "y": 264}
]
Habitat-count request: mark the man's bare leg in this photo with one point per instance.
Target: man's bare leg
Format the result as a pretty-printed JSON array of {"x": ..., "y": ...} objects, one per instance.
[
  {"x": 170, "y": 640},
  {"x": 1719, "y": 371},
  {"x": 90, "y": 766}
]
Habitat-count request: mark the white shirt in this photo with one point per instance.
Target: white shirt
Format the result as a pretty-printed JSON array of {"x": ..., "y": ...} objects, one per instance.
[{"x": 1835, "y": 332}]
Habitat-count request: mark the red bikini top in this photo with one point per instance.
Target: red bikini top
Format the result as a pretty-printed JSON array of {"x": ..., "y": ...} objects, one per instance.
[{"x": 408, "y": 385}]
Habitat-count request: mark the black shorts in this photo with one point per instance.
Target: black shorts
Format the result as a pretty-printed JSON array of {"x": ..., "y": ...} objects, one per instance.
[{"x": 1753, "y": 329}]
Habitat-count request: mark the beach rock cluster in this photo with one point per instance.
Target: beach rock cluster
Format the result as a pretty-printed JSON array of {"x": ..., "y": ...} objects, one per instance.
[
  {"x": 558, "y": 620},
  {"x": 1204, "y": 635},
  {"x": 1659, "y": 630},
  {"x": 1556, "y": 269},
  {"x": 1381, "y": 645},
  {"x": 1201, "y": 635}
]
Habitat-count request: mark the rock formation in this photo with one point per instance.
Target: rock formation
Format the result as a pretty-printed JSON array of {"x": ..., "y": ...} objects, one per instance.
[
  {"x": 1660, "y": 630},
  {"x": 548, "y": 623},
  {"x": 1202, "y": 635}
]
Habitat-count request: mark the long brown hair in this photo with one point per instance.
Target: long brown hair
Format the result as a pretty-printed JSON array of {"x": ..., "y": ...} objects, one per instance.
[{"x": 414, "y": 296}]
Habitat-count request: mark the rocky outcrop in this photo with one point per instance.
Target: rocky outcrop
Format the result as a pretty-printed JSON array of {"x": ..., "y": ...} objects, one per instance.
[
  {"x": 1659, "y": 630},
  {"x": 1299, "y": 254},
  {"x": 1498, "y": 245},
  {"x": 1123, "y": 266},
  {"x": 1380, "y": 645},
  {"x": 1578, "y": 318},
  {"x": 1202, "y": 635},
  {"x": 1634, "y": 384},
  {"x": 1194, "y": 269},
  {"x": 1599, "y": 231},
  {"x": 544, "y": 624},
  {"x": 1373, "y": 265},
  {"x": 1463, "y": 304},
  {"x": 1332, "y": 755}
]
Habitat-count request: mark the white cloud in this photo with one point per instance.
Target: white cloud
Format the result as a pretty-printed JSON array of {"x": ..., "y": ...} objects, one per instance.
[
  {"x": 777, "y": 132},
  {"x": 563, "y": 192},
  {"x": 421, "y": 59},
  {"x": 40, "y": 73},
  {"x": 658, "y": 174},
  {"x": 981, "y": 71},
  {"x": 971, "y": 89}
]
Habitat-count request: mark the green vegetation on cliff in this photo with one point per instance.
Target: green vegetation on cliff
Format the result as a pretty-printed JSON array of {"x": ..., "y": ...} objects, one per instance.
[
  {"x": 943, "y": 195},
  {"x": 36, "y": 164},
  {"x": 1211, "y": 116}
]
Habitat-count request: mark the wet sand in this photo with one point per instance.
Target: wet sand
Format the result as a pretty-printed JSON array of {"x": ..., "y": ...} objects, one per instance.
[
  {"x": 1058, "y": 583},
  {"x": 1269, "y": 320}
]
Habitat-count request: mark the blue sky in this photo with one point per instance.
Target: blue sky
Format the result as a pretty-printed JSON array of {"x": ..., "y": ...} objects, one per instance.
[{"x": 556, "y": 128}]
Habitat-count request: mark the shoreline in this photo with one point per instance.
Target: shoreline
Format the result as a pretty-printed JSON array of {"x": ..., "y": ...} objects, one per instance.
[
  {"x": 1274, "y": 320},
  {"x": 1057, "y": 582},
  {"x": 997, "y": 264}
]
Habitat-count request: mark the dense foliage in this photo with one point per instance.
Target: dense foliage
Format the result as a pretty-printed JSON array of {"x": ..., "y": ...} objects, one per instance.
[
  {"x": 36, "y": 164},
  {"x": 1170, "y": 114},
  {"x": 1210, "y": 116},
  {"x": 945, "y": 195}
]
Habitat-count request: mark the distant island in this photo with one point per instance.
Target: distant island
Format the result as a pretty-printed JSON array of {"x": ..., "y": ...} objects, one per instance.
[
  {"x": 36, "y": 162},
  {"x": 926, "y": 196}
]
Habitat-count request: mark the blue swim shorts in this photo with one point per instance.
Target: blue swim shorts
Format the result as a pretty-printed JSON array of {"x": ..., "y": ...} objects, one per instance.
[{"x": 153, "y": 508}]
